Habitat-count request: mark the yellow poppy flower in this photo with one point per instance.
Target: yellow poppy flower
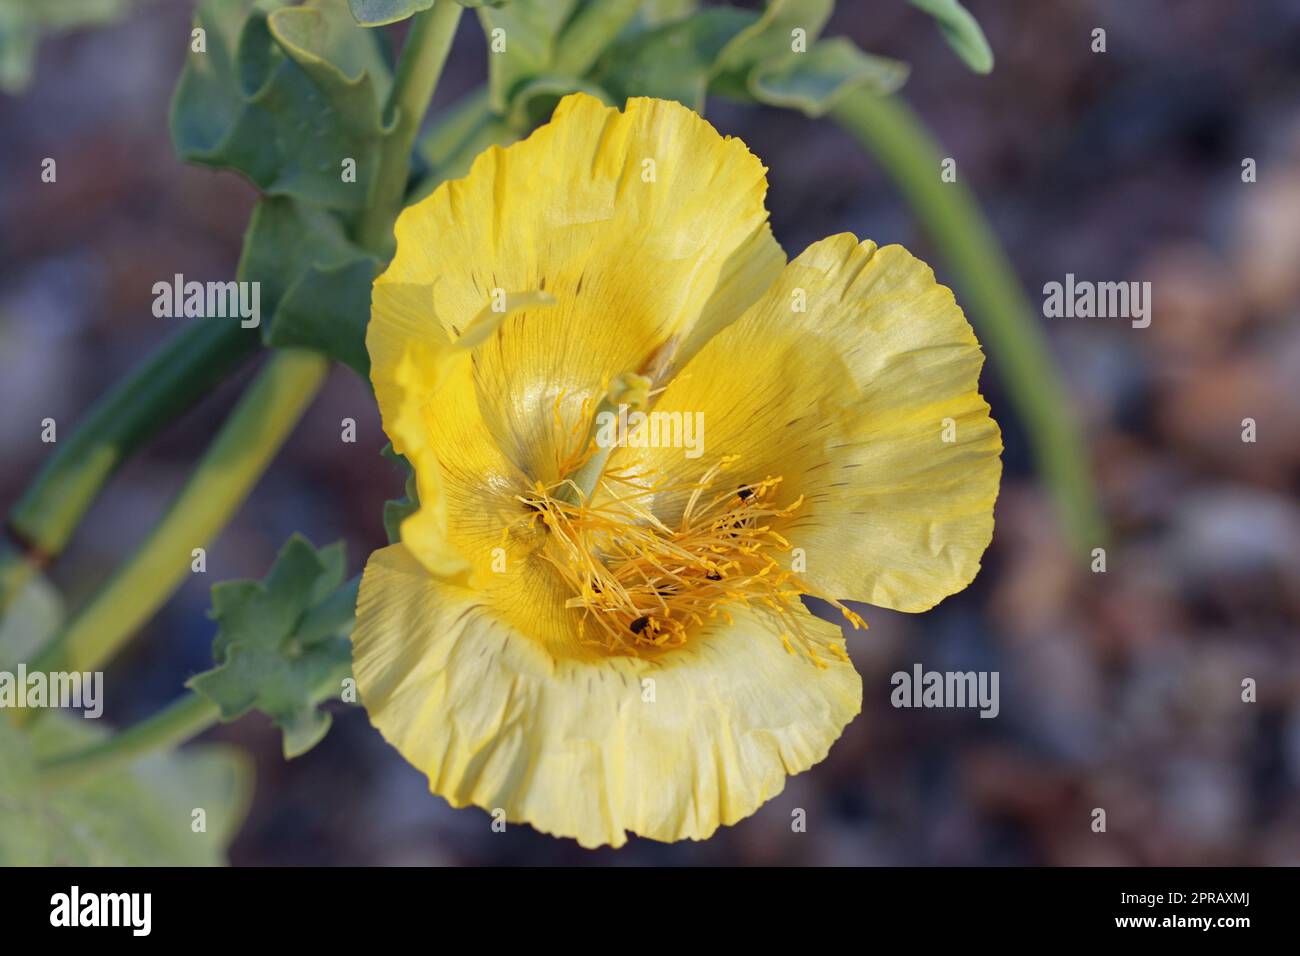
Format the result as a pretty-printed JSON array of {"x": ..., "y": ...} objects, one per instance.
[{"x": 599, "y": 637}]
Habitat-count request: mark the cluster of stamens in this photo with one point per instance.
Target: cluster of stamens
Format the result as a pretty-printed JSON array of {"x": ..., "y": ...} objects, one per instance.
[{"x": 639, "y": 583}]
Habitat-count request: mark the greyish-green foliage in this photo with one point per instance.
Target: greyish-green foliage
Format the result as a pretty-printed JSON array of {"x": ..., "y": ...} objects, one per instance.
[{"x": 278, "y": 647}]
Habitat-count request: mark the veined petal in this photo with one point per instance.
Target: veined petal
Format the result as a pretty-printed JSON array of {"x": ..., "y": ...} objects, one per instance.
[
  {"x": 424, "y": 388},
  {"x": 855, "y": 378},
  {"x": 647, "y": 227},
  {"x": 668, "y": 747}
]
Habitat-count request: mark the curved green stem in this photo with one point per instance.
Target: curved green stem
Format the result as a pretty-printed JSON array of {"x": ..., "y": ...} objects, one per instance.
[
  {"x": 590, "y": 32},
  {"x": 234, "y": 461},
  {"x": 952, "y": 219},
  {"x": 418, "y": 70},
  {"x": 169, "y": 382},
  {"x": 185, "y": 718}
]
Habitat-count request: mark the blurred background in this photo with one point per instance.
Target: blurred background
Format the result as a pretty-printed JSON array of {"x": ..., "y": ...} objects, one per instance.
[{"x": 1119, "y": 690}]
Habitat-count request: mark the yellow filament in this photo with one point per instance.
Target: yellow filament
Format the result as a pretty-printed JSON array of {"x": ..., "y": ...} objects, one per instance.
[{"x": 638, "y": 583}]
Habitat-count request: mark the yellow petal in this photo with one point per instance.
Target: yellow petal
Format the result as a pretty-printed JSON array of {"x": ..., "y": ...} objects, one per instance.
[
  {"x": 850, "y": 401},
  {"x": 590, "y": 748},
  {"x": 426, "y": 398},
  {"x": 647, "y": 227},
  {"x": 631, "y": 265}
]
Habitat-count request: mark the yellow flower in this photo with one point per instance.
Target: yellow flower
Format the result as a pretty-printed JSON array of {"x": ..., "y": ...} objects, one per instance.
[{"x": 600, "y": 637}]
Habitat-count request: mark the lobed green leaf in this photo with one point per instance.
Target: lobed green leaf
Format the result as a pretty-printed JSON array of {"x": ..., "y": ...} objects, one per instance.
[
  {"x": 815, "y": 81},
  {"x": 284, "y": 97},
  {"x": 272, "y": 655}
]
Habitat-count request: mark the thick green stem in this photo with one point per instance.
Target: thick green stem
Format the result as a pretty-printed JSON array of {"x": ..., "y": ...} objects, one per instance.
[
  {"x": 185, "y": 718},
  {"x": 952, "y": 219},
  {"x": 230, "y": 467},
  {"x": 418, "y": 70},
  {"x": 169, "y": 382}
]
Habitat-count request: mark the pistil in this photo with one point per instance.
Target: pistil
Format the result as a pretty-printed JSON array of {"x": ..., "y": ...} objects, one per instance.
[{"x": 628, "y": 391}]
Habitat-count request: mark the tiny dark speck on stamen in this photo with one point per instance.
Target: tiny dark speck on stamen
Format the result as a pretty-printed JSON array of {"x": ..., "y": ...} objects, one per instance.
[{"x": 639, "y": 625}]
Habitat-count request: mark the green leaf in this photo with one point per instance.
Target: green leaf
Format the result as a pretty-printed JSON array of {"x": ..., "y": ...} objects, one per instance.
[
  {"x": 378, "y": 13},
  {"x": 139, "y": 816},
  {"x": 535, "y": 101},
  {"x": 529, "y": 32},
  {"x": 285, "y": 98},
  {"x": 273, "y": 653},
  {"x": 770, "y": 37},
  {"x": 327, "y": 310},
  {"x": 773, "y": 58},
  {"x": 23, "y": 23},
  {"x": 816, "y": 80},
  {"x": 962, "y": 32},
  {"x": 397, "y": 510},
  {"x": 654, "y": 13},
  {"x": 314, "y": 282},
  {"x": 542, "y": 50},
  {"x": 674, "y": 62}
]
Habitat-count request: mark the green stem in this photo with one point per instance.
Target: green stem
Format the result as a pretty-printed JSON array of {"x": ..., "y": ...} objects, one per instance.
[
  {"x": 418, "y": 70},
  {"x": 234, "y": 461},
  {"x": 590, "y": 32},
  {"x": 185, "y": 718},
  {"x": 172, "y": 380},
  {"x": 952, "y": 219}
]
